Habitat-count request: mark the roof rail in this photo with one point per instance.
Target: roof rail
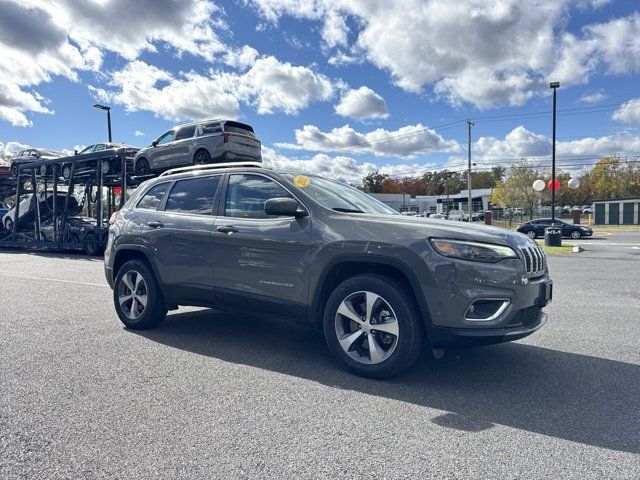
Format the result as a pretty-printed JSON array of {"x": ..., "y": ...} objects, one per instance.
[{"x": 211, "y": 166}]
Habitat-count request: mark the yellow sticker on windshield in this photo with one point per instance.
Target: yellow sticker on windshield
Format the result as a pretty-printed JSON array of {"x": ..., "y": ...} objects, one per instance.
[{"x": 301, "y": 181}]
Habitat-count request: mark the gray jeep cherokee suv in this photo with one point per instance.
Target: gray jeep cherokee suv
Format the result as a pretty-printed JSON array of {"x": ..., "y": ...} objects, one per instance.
[{"x": 304, "y": 247}]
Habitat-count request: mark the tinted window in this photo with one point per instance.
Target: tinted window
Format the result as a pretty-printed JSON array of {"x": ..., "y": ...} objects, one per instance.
[
  {"x": 186, "y": 132},
  {"x": 246, "y": 195},
  {"x": 166, "y": 138},
  {"x": 195, "y": 195},
  {"x": 235, "y": 127},
  {"x": 153, "y": 197},
  {"x": 210, "y": 128}
]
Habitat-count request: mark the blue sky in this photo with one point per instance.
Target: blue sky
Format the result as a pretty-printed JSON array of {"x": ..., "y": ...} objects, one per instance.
[{"x": 338, "y": 87}]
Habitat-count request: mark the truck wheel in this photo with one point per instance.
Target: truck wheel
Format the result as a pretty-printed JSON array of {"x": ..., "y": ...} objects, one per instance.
[
  {"x": 372, "y": 326},
  {"x": 92, "y": 245},
  {"x": 137, "y": 296}
]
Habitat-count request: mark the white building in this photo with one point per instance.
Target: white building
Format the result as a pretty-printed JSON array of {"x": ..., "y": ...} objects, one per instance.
[{"x": 403, "y": 202}]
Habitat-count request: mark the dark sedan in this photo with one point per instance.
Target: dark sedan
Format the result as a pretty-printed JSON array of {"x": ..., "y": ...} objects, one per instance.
[
  {"x": 535, "y": 228},
  {"x": 32, "y": 155}
]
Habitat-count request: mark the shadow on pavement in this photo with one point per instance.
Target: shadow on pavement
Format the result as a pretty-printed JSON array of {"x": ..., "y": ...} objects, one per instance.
[
  {"x": 64, "y": 254},
  {"x": 575, "y": 397}
]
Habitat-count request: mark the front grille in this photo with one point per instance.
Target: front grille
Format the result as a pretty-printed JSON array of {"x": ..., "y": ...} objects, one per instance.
[
  {"x": 525, "y": 317},
  {"x": 535, "y": 261}
]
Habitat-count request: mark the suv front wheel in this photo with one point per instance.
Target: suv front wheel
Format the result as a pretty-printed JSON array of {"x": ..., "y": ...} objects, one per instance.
[
  {"x": 371, "y": 325},
  {"x": 137, "y": 296}
]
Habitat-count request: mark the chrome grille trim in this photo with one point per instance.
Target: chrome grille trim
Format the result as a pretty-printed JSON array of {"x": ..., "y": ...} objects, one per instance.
[{"x": 535, "y": 262}]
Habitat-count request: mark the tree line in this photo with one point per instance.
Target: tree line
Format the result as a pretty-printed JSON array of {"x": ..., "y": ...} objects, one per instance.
[{"x": 610, "y": 177}]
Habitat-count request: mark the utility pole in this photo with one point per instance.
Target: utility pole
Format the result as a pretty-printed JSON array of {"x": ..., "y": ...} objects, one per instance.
[{"x": 470, "y": 197}]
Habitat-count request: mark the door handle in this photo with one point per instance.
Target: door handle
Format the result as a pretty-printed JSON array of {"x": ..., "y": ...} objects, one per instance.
[
  {"x": 155, "y": 224},
  {"x": 227, "y": 229}
]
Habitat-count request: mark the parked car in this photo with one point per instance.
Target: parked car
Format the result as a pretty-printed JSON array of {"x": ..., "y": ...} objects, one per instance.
[
  {"x": 32, "y": 155},
  {"x": 587, "y": 210},
  {"x": 535, "y": 228},
  {"x": 458, "y": 215},
  {"x": 108, "y": 166},
  {"x": 27, "y": 210},
  {"x": 202, "y": 142},
  {"x": 477, "y": 216},
  {"x": 437, "y": 216},
  {"x": 300, "y": 246}
]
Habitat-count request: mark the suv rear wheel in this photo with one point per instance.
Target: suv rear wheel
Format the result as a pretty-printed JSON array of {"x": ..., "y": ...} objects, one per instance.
[
  {"x": 372, "y": 326},
  {"x": 137, "y": 296}
]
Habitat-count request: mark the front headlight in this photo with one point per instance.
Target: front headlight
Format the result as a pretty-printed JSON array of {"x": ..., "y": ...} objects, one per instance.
[{"x": 474, "y": 251}]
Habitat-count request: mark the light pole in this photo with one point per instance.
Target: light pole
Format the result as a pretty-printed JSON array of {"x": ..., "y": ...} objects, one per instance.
[
  {"x": 469, "y": 196},
  {"x": 554, "y": 86},
  {"x": 108, "y": 109},
  {"x": 553, "y": 234}
]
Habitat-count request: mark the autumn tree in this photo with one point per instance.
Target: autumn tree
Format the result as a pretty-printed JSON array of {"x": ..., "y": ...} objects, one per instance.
[
  {"x": 516, "y": 190},
  {"x": 372, "y": 183}
]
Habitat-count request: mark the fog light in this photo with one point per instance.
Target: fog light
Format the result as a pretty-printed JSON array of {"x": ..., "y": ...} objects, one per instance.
[{"x": 486, "y": 309}]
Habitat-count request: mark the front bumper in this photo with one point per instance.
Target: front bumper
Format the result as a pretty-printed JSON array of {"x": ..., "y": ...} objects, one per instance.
[{"x": 466, "y": 337}]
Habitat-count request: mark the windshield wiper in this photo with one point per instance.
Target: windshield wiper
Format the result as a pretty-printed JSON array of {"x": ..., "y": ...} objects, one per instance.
[{"x": 347, "y": 210}]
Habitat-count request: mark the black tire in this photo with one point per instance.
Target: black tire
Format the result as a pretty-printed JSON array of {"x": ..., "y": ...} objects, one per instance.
[
  {"x": 66, "y": 171},
  {"x": 201, "y": 157},
  {"x": 142, "y": 167},
  {"x": 532, "y": 234},
  {"x": 92, "y": 245},
  {"x": 410, "y": 337},
  {"x": 576, "y": 234},
  {"x": 14, "y": 170},
  {"x": 155, "y": 310}
]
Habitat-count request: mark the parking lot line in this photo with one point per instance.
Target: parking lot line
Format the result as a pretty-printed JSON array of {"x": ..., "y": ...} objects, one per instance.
[{"x": 47, "y": 279}]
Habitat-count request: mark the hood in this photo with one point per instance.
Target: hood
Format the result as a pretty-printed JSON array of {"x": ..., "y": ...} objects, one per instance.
[{"x": 421, "y": 227}]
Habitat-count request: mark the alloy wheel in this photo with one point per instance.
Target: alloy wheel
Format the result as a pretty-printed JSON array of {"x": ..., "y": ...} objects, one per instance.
[
  {"x": 132, "y": 294},
  {"x": 366, "y": 327},
  {"x": 531, "y": 234},
  {"x": 575, "y": 234}
]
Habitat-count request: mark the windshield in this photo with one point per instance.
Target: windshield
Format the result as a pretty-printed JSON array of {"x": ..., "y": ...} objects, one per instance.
[{"x": 338, "y": 196}]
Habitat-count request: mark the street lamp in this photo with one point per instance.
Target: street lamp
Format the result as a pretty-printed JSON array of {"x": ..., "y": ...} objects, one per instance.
[
  {"x": 553, "y": 235},
  {"x": 108, "y": 109}
]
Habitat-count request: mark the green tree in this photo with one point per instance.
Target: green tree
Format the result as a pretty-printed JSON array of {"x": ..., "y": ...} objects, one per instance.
[
  {"x": 517, "y": 188},
  {"x": 372, "y": 183}
]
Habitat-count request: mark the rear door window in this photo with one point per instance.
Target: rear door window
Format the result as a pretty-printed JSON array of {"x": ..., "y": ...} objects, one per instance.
[
  {"x": 152, "y": 199},
  {"x": 186, "y": 132},
  {"x": 99, "y": 147},
  {"x": 194, "y": 195}
]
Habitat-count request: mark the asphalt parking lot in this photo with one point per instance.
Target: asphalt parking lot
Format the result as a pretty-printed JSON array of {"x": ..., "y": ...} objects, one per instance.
[{"x": 212, "y": 395}]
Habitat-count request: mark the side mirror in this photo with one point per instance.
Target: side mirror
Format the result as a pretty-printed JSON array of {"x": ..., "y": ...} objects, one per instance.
[
  {"x": 154, "y": 143},
  {"x": 284, "y": 207}
]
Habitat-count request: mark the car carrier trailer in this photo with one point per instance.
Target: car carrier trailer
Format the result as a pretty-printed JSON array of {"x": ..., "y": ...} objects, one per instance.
[{"x": 46, "y": 180}]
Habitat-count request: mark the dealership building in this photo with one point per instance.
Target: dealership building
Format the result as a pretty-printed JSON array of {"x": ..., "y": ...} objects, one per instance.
[
  {"x": 617, "y": 211},
  {"x": 403, "y": 202}
]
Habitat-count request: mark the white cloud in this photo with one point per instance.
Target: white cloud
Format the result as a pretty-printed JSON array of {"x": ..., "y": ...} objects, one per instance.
[
  {"x": 486, "y": 53},
  {"x": 406, "y": 142},
  {"x": 362, "y": 103},
  {"x": 138, "y": 133},
  {"x": 522, "y": 143},
  {"x": 41, "y": 39},
  {"x": 593, "y": 97},
  {"x": 139, "y": 86},
  {"x": 273, "y": 86},
  {"x": 340, "y": 167},
  {"x": 629, "y": 112},
  {"x": 242, "y": 57},
  {"x": 9, "y": 149},
  {"x": 269, "y": 85}
]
